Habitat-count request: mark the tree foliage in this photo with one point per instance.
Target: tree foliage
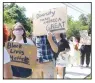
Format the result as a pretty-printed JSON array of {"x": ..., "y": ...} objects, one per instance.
[
  {"x": 84, "y": 23},
  {"x": 13, "y": 13}
]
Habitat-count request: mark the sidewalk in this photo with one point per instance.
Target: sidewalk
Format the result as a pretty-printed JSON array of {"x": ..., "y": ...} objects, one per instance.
[{"x": 77, "y": 72}]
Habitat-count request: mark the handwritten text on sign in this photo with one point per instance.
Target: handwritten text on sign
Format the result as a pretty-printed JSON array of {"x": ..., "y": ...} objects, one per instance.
[
  {"x": 54, "y": 20},
  {"x": 21, "y": 55},
  {"x": 84, "y": 33}
]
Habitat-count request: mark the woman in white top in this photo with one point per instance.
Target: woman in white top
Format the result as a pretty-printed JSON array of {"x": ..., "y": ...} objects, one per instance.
[
  {"x": 7, "y": 66},
  {"x": 19, "y": 35},
  {"x": 74, "y": 51}
]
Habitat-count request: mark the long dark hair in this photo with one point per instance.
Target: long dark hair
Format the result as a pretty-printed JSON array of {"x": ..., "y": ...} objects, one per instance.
[
  {"x": 64, "y": 40},
  {"x": 78, "y": 39},
  {"x": 24, "y": 34},
  {"x": 63, "y": 36}
]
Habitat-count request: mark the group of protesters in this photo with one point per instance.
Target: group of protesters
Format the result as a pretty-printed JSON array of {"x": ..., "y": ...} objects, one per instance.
[{"x": 51, "y": 50}]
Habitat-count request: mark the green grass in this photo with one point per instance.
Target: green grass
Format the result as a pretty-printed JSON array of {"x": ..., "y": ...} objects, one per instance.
[{"x": 89, "y": 77}]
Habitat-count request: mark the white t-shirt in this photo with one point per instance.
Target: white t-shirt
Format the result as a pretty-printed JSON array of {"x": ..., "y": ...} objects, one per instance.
[
  {"x": 71, "y": 52},
  {"x": 6, "y": 56},
  {"x": 62, "y": 59},
  {"x": 30, "y": 42}
]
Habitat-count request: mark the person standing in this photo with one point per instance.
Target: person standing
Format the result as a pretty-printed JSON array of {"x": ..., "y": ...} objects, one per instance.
[
  {"x": 63, "y": 53},
  {"x": 74, "y": 51},
  {"x": 46, "y": 45},
  {"x": 19, "y": 36},
  {"x": 85, "y": 49}
]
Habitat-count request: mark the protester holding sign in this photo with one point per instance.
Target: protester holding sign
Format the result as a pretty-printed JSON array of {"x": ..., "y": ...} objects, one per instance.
[
  {"x": 62, "y": 60},
  {"x": 52, "y": 20},
  {"x": 85, "y": 49},
  {"x": 45, "y": 68},
  {"x": 19, "y": 35},
  {"x": 7, "y": 66}
]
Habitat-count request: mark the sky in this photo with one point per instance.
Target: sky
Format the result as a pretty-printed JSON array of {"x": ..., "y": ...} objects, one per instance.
[{"x": 35, "y": 7}]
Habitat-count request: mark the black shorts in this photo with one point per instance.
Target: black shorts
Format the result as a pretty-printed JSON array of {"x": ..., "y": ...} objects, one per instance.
[{"x": 21, "y": 72}]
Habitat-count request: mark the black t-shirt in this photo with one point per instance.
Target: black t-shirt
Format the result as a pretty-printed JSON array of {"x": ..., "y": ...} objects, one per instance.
[{"x": 62, "y": 45}]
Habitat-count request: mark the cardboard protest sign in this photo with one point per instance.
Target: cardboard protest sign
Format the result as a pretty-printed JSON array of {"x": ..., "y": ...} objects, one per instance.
[
  {"x": 22, "y": 55},
  {"x": 53, "y": 20}
]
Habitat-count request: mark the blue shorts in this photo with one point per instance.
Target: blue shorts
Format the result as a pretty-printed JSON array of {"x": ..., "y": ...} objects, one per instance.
[{"x": 21, "y": 72}]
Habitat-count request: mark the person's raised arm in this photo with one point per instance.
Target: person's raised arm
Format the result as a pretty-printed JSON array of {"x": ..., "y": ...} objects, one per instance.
[{"x": 52, "y": 44}]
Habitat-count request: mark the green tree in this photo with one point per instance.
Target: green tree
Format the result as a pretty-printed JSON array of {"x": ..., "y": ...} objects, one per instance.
[
  {"x": 84, "y": 23},
  {"x": 83, "y": 19},
  {"x": 89, "y": 21},
  {"x": 73, "y": 27},
  {"x": 69, "y": 21},
  {"x": 13, "y": 13}
]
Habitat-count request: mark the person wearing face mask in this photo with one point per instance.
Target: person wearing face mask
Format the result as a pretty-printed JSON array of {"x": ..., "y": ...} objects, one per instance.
[{"x": 19, "y": 35}]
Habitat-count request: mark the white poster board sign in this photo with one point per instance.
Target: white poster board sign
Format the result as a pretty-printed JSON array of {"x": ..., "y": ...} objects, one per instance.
[
  {"x": 84, "y": 33},
  {"x": 85, "y": 38},
  {"x": 53, "y": 20}
]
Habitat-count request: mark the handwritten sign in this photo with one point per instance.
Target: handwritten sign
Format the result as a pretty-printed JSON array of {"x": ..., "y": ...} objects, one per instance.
[
  {"x": 54, "y": 20},
  {"x": 22, "y": 55},
  {"x": 84, "y": 33},
  {"x": 84, "y": 36}
]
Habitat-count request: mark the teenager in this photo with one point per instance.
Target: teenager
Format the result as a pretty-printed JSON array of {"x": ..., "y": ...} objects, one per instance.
[
  {"x": 62, "y": 59},
  {"x": 19, "y": 36}
]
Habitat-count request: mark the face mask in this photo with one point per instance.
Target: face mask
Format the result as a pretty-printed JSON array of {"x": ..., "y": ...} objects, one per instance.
[{"x": 18, "y": 33}]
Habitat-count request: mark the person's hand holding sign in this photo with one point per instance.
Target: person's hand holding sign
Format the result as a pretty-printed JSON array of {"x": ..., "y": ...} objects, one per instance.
[
  {"x": 52, "y": 44},
  {"x": 49, "y": 36}
]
